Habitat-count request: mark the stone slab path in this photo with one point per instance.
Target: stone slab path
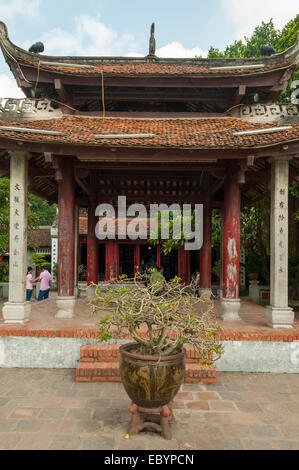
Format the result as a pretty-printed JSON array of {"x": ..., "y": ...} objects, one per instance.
[{"x": 46, "y": 409}]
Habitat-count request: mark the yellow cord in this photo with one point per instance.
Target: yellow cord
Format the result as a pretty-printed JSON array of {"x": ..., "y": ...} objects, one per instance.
[
  {"x": 103, "y": 97},
  {"x": 37, "y": 79}
]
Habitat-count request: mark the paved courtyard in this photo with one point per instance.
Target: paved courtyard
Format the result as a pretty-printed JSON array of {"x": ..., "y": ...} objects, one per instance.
[{"x": 47, "y": 409}]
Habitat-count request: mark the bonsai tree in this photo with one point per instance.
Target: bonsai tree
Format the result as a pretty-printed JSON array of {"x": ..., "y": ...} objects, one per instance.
[
  {"x": 161, "y": 318},
  {"x": 40, "y": 261}
]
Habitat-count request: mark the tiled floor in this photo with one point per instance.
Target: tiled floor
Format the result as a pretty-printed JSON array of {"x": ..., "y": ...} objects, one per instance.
[
  {"x": 47, "y": 409},
  {"x": 253, "y": 318}
]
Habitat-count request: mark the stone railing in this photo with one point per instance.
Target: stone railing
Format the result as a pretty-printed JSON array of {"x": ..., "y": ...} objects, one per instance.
[
  {"x": 270, "y": 113},
  {"x": 26, "y": 109}
]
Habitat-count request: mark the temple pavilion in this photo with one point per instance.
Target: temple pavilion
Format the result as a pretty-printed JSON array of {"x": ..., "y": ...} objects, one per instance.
[{"x": 197, "y": 131}]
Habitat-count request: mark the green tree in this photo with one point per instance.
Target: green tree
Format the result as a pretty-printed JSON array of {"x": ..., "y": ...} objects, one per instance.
[
  {"x": 286, "y": 39},
  {"x": 45, "y": 214},
  {"x": 265, "y": 34},
  {"x": 39, "y": 261}
]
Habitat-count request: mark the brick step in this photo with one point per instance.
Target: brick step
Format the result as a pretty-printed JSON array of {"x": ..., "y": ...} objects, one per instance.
[
  {"x": 110, "y": 353},
  {"x": 109, "y": 372}
]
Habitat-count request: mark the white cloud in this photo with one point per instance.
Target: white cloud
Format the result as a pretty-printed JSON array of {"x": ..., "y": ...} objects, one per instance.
[
  {"x": 9, "y": 88},
  {"x": 245, "y": 15},
  {"x": 91, "y": 37},
  {"x": 176, "y": 49},
  {"x": 134, "y": 54},
  {"x": 27, "y": 8}
]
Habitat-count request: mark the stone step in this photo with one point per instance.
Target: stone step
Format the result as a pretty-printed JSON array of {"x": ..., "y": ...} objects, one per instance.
[
  {"x": 108, "y": 371},
  {"x": 110, "y": 353}
]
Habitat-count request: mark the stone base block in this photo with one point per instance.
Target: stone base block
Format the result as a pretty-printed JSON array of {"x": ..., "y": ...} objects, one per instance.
[
  {"x": 14, "y": 312},
  {"x": 230, "y": 309},
  {"x": 205, "y": 293},
  {"x": 66, "y": 306},
  {"x": 90, "y": 291},
  {"x": 280, "y": 317}
]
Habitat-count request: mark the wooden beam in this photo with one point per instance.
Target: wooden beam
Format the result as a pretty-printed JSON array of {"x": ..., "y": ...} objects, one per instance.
[
  {"x": 216, "y": 186},
  {"x": 250, "y": 80},
  {"x": 134, "y": 155},
  {"x": 82, "y": 185},
  {"x": 59, "y": 87},
  {"x": 64, "y": 96},
  {"x": 239, "y": 95},
  {"x": 41, "y": 172},
  {"x": 42, "y": 195}
]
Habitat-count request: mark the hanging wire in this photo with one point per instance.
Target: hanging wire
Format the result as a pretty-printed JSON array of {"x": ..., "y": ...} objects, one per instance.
[
  {"x": 37, "y": 79},
  {"x": 103, "y": 97}
]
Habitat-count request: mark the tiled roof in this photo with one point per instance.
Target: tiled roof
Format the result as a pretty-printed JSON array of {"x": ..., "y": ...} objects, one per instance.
[
  {"x": 160, "y": 68},
  {"x": 40, "y": 237},
  {"x": 200, "y": 133}
]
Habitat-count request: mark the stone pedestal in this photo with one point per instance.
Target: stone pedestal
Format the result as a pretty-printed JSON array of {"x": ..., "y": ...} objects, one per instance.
[
  {"x": 280, "y": 317},
  {"x": 90, "y": 291},
  {"x": 66, "y": 307},
  {"x": 14, "y": 312},
  {"x": 254, "y": 291},
  {"x": 230, "y": 309},
  {"x": 278, "y": 314},
  {"x": 17, "y": 310},
  {"x": 206, "y": 293}
]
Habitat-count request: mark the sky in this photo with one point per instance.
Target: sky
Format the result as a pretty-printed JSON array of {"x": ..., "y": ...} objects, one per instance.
[{"x": 122, "y": 27}]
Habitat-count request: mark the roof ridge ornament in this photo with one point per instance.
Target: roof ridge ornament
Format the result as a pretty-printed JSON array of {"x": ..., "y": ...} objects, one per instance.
[{"x": 152, "y": 42}]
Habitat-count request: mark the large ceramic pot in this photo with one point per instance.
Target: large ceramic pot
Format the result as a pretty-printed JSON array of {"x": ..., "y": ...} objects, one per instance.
[{"x": 151, "y": 381}]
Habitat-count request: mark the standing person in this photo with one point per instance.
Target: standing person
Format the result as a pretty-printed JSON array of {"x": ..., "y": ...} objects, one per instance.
[
  {"x": 45, "y": 282},
  {"x": 197, "y": 282},
  {"x": 29, "y": 286}
]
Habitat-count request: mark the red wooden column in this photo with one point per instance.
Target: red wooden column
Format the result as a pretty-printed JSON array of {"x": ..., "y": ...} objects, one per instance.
[
  {"x": 158, "y": 260},
  {"x": 231, "y": 246},
  {"x": 66, "y": 239},
  {"x": 206, "y": 250},
  {"x": 92, "y": 243},
  {"x": 184, "y": 265},
  {"x": 112, "y": 260},
  {"x": 136, "y": 258}
]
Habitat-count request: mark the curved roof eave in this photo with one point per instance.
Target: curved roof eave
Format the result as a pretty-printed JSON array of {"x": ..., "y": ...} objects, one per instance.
[{"x": 285, "y": 59}]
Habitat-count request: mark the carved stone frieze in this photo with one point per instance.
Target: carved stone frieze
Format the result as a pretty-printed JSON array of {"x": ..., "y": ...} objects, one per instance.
[
  {"x": 274, "y": 113},
  {"x": 12, "y": 109}
]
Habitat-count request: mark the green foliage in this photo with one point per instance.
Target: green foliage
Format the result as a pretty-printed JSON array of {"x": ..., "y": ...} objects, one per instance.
[
  {"x": 44, "y": 213},
  {"x": 288, "y": 35},
  {"x": 294, "y": 191},
  {"x": 4, "y": 271},
  {"x": 215, "y": 53},
  {"x": 39, "y": 261},
  {"x": 216, "y": 229},
  {"x": 294, "y": 270},
  {"x": 265, "y": 34},
  {"x": 216, "y": 268},
  {"x": 255, "y": 238}
]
